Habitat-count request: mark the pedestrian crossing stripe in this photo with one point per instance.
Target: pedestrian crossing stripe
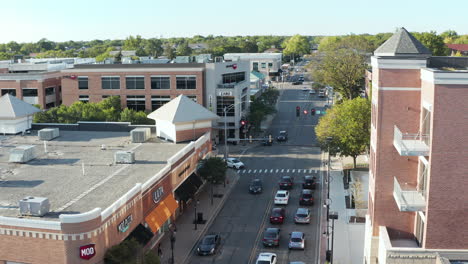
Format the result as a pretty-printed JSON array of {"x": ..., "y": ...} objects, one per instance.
[
  {"x": 302, "y": 171},
  {"x": 293, "y": 171}
]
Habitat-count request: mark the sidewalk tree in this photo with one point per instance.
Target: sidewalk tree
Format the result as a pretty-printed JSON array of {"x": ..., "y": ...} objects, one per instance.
[
  {"x": 262, "y": 106},
  {"x": 348, "y": 124},
  {"x": 296, "y": 45},
  {"x": 213, "y": 170},
  {"x": 130, "y": 252}
]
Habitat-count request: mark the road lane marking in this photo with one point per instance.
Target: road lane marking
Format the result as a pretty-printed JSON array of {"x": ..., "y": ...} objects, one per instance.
[
  {"x": 244, "y": 171},
  {"x": 287, "y": 171},
  {"x": 259, "y": 171},
  {"x": 277, "y": 170},
  {"x": 293, "y": 171},
  {"x": 298, "y": 171},
  {"x": 282, "y": 170},
  {"x": 271, "y": 171},
  {"x": 249, "y": 171},
  {"x": 255, "y": 171}
]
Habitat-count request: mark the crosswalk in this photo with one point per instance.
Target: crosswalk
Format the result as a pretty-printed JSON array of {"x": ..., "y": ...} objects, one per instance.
[{"x": 260, "y": 171}]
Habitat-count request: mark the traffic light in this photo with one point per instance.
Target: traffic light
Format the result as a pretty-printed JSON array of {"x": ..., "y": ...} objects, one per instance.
[
  {"x": 305, "y": 112},
  {"x": 312, "y": 111},
  {"x": 243, "y": 122},
  {"x": 298, "y": 109}
]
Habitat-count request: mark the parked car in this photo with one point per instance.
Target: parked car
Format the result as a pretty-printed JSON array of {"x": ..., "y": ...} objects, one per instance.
[
  {"x": 209, "y": 245},
  {"x": 277, "y": 215},
  {"x": 302, "y": 216},
  {"x": 271, "y": 237},
  {"x": 296, "y": 262},
  {"x": 286, "y": 182},
  {"x": 283, "y": 136},
  {"x": 297, "y": 241},
  {"x": 306, "y": 198},
  {"x": 309, "y": 182},
  {"x": 266, "y": 258},
  {"x": 312, "y": 91},
  {"x": 256, "y": 186},
  {"x": 282, "y": 197},
  {"x": 234, "y": 163},
  {"x": 305, "y": 89}
]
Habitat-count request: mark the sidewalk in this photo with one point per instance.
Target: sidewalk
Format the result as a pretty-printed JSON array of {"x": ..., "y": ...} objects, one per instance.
[{"x": 186, "y": 236}]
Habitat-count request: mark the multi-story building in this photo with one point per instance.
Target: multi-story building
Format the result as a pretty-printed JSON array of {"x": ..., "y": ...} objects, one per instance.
[
  {"x": 418, "y": 156},
  {"x": 268, "y": 64}
]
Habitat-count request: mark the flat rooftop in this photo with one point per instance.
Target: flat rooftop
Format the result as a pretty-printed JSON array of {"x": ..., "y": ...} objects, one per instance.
[{"x": 58, "y": 174}]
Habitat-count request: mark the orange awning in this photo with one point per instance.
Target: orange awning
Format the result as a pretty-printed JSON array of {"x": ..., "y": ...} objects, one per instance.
[{"x": 161, "y": 213}]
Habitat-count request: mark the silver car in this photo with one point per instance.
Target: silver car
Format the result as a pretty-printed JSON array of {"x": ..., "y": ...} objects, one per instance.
[
  {"x": 302, "y": 216},
  {"x": 297, "y": 241}
]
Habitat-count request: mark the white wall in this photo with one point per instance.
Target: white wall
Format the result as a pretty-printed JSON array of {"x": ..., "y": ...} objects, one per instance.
[
  {"x": 15, "y": 126},
  {"x": 165, "y": 129}
]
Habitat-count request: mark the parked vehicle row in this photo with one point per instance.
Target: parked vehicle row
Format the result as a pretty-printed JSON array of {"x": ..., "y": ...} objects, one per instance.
[
  {"x": 272, "y": 235},
  {"x": 278, "y": 216}
]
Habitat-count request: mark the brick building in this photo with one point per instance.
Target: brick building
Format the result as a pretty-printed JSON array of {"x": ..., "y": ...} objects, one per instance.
[{"x": 418, "y": 156}]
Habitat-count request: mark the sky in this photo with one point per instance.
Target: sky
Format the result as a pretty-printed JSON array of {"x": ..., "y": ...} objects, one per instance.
[{"x": 58, "y": 20}]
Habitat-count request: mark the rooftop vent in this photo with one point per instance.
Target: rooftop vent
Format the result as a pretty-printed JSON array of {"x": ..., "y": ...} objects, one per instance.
[
  {"x": 48, "y": 133},
  {"x": 23, "y": 154},
  {"x": 140, "y": 135},
  {"x": 124, "y": 157},
  {"x": 35, "y": 206}
]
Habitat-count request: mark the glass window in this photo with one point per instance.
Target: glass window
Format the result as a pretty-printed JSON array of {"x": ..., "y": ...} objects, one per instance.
[
  {"x": 224, "y": 101},
  {"x": 110, "y": 82},
  {"x": 233, "y": 77},
  {"x": 270, "y": 65},
  {"x": 255, "y": 66},
  {"x": 82, "y": 82},
  {"x": 263, "y": 65},
  {"x": 29, "y": 92},
  {"x": 186, "y": 82},
  {"x": 135, "y": 83},
  {"x": 158, "y": 101},
  {"x": 9, "y": 91},
  {"x": 50, "y": 91},
  {"x": 84, "y": 98},
  {"x": 160, "y": 82},
  {"x": 136, "y": 102}
]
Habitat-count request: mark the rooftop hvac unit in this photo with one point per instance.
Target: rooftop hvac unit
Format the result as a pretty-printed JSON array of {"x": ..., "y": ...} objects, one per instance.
[
  {"x": 48, "y": 133},
  {"x": 23, "y": 154},
  {"x": 140, "y": 135},
  {"x": 35, "y": 206},
  {"x": 124, "y": 157}
]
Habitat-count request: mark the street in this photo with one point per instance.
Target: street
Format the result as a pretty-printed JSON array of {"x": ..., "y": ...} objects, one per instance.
[{"x": 244, "y": 216}]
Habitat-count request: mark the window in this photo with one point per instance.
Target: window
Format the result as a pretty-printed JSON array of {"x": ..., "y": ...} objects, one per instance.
[
  {"x": 224, "y": 101},
  {"x": 110, "y": 82},
  {"x": 29, "y": 92},
  {"x": 136, "y": 102},
  {"x": 193, "y": 97},
  {"x": 9, "y": 91},
  {"x": 234, "y": 77},
  {"x": 263, "y": 65},
  {"x": 255, "y": 66},
  {"x": 84, "y": 98},
  {"x": 82, "y": 82},
  {"x": 158, "y": 101},
  {"x": 135, "y": 82},
  {"x": 160, "y": 82},
  {"x": 244, "y": 102},
  {"x": 270, "y": 65},
  {"x": 50, "y": 91},
  {"x": 105, "y": 96},
  {"x": 186, "y": 82},
  {"x": 50, "y": 105}
]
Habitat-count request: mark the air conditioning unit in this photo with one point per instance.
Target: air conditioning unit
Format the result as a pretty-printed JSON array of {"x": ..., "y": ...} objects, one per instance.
[
  {"x": 23, "y": 154},
  {"x": 35, "y": 206},
  {"x": 124, "y": 157},
  {"x": 48, "y": 133},
  {"x": 140, "y": 135}
]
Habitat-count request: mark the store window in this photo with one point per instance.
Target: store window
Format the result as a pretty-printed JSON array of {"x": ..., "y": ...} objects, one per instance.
[
  {"x": 135, "y": 82},
  {"x": 136, "y": 102},
  {"x": 263, "y": 65},
  {"x": 255, "y": 66},
  {"x": 50, "y": 91},
  {"x": 222, "y": 102},
  {"x": 160, "y": 82},
  {"x": 186, "y": 82},
  {"x": 234, "y": 77},
  {"x": 82, "y": 82},
  {"x": 110, "y": 82},
  {"x": 158, "y": 101}
]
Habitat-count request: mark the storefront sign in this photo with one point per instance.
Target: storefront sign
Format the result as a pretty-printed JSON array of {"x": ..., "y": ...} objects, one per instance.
[
  {"x": 125, "y": 224},
  {"x": 233, "y": 66},
  {"x": 158, "y": 194},
  {"x": 88, "y": 251},
  {"x": 225, "y": 93}
]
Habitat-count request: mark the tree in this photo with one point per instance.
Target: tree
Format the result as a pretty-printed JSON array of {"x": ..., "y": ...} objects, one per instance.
[
  {"x": 13, "y": 47},
  {"x": 343, "y": 69},
  {"x": 449, "y": 36},
  {"x": 261, "y": 107},
  {"x": 169, "y": 51},
  {"x": 183, "y": 49},
  {"x": 129, "y": 252},
  {"x": 153, "y": 47},
  {"x": 296, "y": 45},
  {"x": 213, "y": 170},
  {"x": 133, "y": 43},
  {"x": 348, "y": 124},
  {"x": 433, "y": 42},
  {"x": 45, "y": 45}
]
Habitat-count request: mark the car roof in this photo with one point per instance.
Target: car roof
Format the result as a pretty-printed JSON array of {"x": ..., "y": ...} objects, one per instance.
[
  {"x": 308, "y": 177},
  {"x": 302, "y": 210},
  {"x": 297, "y": 234},
  {"x": 281, "y": 191},
  {"x": 210, "y": 236},
  {"x": 266, "y": 256},
  {"x": 285, "y": 177},
  {"x": 277, "y": 209},
  {"x": 283, "y": 131},
  {"x": 306, "y": 191},
  {"x": 272, "y": 229}
]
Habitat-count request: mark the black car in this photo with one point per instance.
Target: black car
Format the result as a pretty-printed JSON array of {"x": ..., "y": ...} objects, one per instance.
[
  {"x": 209, "y": 245},
  {"x": 306, "y": 198},
  {"x": 256, "y": 186},
  {"x": 286, "y": 182},
  {"x": 309, "y": 182},
  {"x": 267, "y": 142},
  {"x": 271, "y": 237},
  {"x": 283, "y": 136}
]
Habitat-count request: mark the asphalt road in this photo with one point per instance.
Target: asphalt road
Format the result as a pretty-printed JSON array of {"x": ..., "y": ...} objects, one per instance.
[{"x": 244, "y": 217}]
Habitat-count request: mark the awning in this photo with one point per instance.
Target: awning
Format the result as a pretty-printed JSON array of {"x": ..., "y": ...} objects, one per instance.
[
  {"x": 140, "y": 234},
  {"x": 161, "y": 213},
  {"x": 188, "y": 188}
]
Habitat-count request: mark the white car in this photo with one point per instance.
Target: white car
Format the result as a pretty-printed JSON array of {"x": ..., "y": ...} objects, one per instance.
[
  {"x": 282, "y": 197},
  {"x": 305, "y": 89},
  {"x": 234, "y": 163},
  {"x": 266, "y": 258},
  {"x": 312, "y": 91}
]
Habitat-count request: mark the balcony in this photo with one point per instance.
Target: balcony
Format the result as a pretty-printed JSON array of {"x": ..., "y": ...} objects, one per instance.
[
  {"x": 410, "y": 144},
  {"x": 408, "y": 199},
  {"x": 229, "y": 85}
]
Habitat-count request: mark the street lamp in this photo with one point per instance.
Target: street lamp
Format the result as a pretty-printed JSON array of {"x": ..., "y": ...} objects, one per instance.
[
  {"x": 173, "y": 232},
  {"x": 333, "y": 216},
  {"x": 196, "y": 220}
]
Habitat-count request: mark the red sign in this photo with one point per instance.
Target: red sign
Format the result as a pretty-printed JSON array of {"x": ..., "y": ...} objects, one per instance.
[
  {"x": 88, "y": 251},
  {"x": 234, "y": 66}
]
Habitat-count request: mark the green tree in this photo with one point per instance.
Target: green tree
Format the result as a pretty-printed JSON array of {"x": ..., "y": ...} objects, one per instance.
[
  {"x": 45, "y": 45},
  {"x": 129, "y": 252},
  {"x": 111, "y": 108},
  {"x": 449, "y": 36},
  {"x": 133, "y": 43},
  {"x": 348, "y": 124},
  {"x": 13, "y": 47},
  {"x": 297, "y": 45},
  {"x": 262, "y": 106},
  {"x": 134, "y": 117},
  {"x": 343, "y": 69},
  {"x": 153, "y": 47},
  {"x": 213, "y": 170},
  {"x": 169, "y": 51},
  {"x": 183, "y": 49},
  {"x": 433, "y": 42},
  {"x": 463, "y": 39}
]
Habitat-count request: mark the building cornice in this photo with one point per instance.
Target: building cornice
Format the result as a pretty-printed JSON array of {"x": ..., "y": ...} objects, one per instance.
[
  {"x": 444, "y": 77},
  {"x": 398, "y": 63},
  {"x": 123, "y": 70}
]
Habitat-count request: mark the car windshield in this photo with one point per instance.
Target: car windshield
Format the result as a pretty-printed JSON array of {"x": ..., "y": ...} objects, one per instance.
[
  {"x": 235, "y": 161},
  {"x": 276, "y": 213},
  {"x": 306, "y": 195},
  {"x": 286, "y": 179},
  {"x": 302, "y": 215},
  {"x": 281, "y": 195},
  {"x": 208, "y": 241},
  {"x": 296, "y": 239},
  {"x": 270, "y": 235},
  {"x": 257, "y": 183}
]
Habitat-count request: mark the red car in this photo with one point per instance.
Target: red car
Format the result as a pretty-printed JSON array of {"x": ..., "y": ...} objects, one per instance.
[{"x": 277, "y": 215}]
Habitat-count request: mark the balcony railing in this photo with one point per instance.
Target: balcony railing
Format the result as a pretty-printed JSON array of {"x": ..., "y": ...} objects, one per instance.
[
  {"x": 229, "y": 85},
  {"x": 408, "y": 199},
  {"x": 410, "y": 144}
]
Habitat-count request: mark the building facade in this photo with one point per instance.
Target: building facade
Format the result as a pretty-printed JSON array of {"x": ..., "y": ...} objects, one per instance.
[
  {"x": 269, "y": 64},
  {"x": 417, "y": 198}
]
